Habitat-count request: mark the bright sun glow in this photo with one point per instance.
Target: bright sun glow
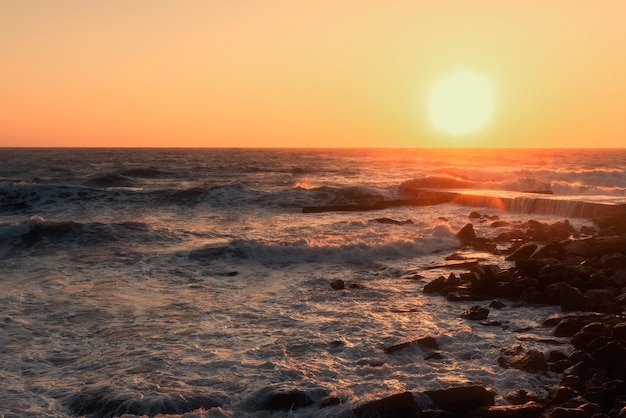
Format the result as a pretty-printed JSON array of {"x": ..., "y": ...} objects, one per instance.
[{"x": 460, "y": 103}]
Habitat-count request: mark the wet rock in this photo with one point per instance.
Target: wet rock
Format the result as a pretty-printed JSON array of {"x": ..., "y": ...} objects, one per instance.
[
  {"x": 462, "y": 398},
  {"x": 612, "y": 354},
  {"x": 433, "y": 356},
  {"x": 338, "y": 284},
  {"x": 435, "y": 285},
  {"x": 619, "y": 331},
  {"x": 288, "y": 401},
  {"x": 528, "y": 410},
  {"x": 474, "y": 215},
  {"x": 521, "y": 396},
  {"x": 572, "y": 298},
  {"x": 466, "y": 235},
  {"x": 562, "y": 394},
  {"x": 601, "y": 300},
  {"x": 525, "y": 251},
  {"x": 396, "y": 406},
  {"x": 427, "y": 342},
  {"x": 496, "y": 304},
  {"x": 476, "y": 313},
  {"x": 533, "y": 361},
  {"x": 582, "y": 338},
  {"x": 331, "y": 401}
]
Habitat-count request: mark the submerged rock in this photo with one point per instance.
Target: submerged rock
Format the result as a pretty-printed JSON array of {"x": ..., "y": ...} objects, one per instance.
[
  {"x": 476, "y": 313},
  {"x": 402, "y": 405},
  {"x": 462, "y": 398}
]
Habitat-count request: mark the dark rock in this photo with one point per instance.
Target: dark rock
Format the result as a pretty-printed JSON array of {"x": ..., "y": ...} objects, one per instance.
[
  {"x": 580, "y": 248},
  {"x": 572, "y": 299},
  {"x": 288, "y": 401},
  {"x": 562, "y": 394},
  {"x": 496, "y": 304},
  {"x": 533, "y": 361},
  {"x": 525, "y": 251},
  {"x": 549, "y": 250},
  {"x": 619, "y": 331},
  {"x": 612, "y": 354},
  {"x": 396, "y": 406},
  {"x": 528, "y": 410},
  {"x": 588, "y": 333},
  {"x": 462, "y": 398},
  {"x": 338, "y": 284},
  {"x": 608, "y": 245},
  {"x": 601, "y": 300},
  {"x": 474, "y": 215},
  {"x": 466, "y": 235},
  {"x": 555, "y": 355},
  {"x": 435, "y": 355},
  {"x": 529, "y": 266},
  {"x": 435, "y": 285},
  {"x": 570, "y": 325},
  {"x": 476, "y": 313},
  {"x": 520, "y": 397},
  {"x": 331, "y": 401},
  {"x": 427, "y": 342},
  {"x": 465, "y": 296}
]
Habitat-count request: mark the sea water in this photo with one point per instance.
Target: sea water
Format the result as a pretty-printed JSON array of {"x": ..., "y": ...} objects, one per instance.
[{"x": 155, "y": 281}]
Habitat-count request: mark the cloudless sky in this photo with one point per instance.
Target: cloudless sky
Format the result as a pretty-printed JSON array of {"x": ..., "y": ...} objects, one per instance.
[{"x": 285, "y": 73}]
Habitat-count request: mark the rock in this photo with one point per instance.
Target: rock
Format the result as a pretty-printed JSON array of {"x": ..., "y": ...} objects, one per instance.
[
  {"x": 427, "y": 342},
  {"x": 288, "y": 401},
  {"x": 611, "y": 355},
  {"x": 608, "y": 245},
  {"x": 562, "y": 394},
  {"x": 619, "y": 331},
  {"x": 476, "y": 313},
  {"x": 582, "y": 338},
  {"x": 338, "y": 284},
  {"x": 474, "y": 215},
  {"x": 579, "y": 247},
  {"x": 462, "y": 398},
  {"x": 496, "y": 304},
  {"x": 395, "y": 406},
  {"x": 528, "y": 410},
  {"x": 601, "y": 300},
  {"x": 572, "y": 299},
  {"x": 533, "y": 361},
  {"x": 435, "y": 355},
  {"x": 520, "y": 397},
  {"x": 525, "y": 251},
  {"x": 331, "y": 401},
  {"x": 435, "y": 285},
  {"x": 466, "y": 235}
]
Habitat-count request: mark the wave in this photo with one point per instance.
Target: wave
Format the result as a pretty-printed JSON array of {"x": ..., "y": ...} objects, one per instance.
[
  {"x": 440, "y": 237},
  {"x": 104, "y": 402},
  {"x": 36, "y": 232}
]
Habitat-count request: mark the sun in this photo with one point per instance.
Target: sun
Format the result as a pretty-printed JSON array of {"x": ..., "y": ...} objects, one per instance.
[{"x": 460, "y": 103}]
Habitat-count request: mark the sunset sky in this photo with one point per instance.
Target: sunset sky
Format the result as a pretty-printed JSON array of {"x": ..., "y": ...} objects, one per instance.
[{"x": 285, "y": 73}]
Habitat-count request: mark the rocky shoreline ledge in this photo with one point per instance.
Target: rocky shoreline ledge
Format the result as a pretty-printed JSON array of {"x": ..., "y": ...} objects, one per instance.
[{"x": 583, "y": 272}]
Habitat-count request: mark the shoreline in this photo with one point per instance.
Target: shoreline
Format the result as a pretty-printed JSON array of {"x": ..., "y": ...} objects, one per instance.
[{"x": 583, "y": 272}]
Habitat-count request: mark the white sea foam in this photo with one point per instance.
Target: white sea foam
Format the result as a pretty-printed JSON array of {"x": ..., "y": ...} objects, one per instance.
[{"x": 204, "y": 281}]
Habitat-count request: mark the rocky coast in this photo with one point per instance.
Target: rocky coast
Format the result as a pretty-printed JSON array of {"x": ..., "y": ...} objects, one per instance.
[{"x": 581, "y": 270}]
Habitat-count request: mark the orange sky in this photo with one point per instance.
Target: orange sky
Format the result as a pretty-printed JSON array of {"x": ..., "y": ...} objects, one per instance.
[{"x": 284, "y": 73}]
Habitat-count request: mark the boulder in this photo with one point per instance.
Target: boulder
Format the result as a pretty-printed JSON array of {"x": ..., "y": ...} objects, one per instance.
[
  {"x": 395, "y": 406},
  {"x": 533, "y": 361},
  {"x": 476, "y": 313},
  {"x": 288, "y": 401},
  {"x": 462, "y": 399},
  {"x": 572, "y": 298},
  {"x": 427, "y": 342},
  {"x": 338, "y": 284},
  {"x": 466, "y": 235},
  {"x": 528, "y": 410}
]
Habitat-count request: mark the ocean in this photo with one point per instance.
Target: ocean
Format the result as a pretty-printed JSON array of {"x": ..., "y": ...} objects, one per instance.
[{"x": 189, "y": 282}]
